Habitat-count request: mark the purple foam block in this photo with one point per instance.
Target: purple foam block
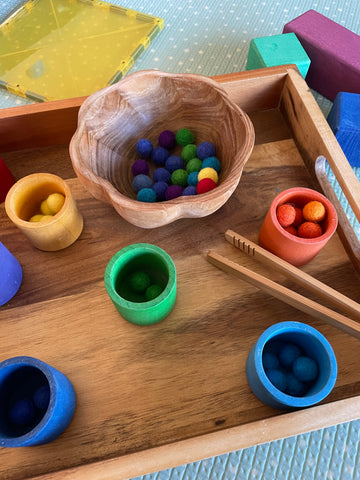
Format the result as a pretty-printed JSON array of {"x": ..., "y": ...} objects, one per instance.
[{"x": 334, "y": 52}]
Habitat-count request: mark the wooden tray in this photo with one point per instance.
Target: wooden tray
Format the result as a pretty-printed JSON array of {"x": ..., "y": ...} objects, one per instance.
[{"x": 150, "y": 398}]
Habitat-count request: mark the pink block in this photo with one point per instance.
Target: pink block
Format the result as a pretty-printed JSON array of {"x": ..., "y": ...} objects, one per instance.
[{"x": 334, "y": 52}]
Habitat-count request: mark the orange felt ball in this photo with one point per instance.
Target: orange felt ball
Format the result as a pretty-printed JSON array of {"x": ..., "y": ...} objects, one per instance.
[
  {"x": 298, "y": 217},
  {"x": 314, "y": 211},
  {"x": 285, "y": 214},
  {"x": 309, "y": 230},
  {"x": 291, "y": 229},
  {"x": 205, "y": 185}
]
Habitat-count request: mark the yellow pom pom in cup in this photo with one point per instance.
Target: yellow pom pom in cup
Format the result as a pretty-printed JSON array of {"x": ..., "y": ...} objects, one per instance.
[{"x": 61, "y": 223}]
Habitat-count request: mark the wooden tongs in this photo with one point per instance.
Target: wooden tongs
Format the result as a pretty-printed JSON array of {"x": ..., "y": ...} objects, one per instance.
[{"x": 335, "y": 298}]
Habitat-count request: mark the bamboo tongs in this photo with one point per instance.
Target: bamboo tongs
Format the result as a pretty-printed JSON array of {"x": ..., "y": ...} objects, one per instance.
[{"x": 280, "y": 292}]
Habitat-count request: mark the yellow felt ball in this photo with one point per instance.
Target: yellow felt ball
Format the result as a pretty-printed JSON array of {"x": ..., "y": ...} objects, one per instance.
[
  {"x": 55, "y": 202},
  {"x": 36, "y": 218},
  {"x": 208, "y": 173},
  {"x": 44, "y": 208}
]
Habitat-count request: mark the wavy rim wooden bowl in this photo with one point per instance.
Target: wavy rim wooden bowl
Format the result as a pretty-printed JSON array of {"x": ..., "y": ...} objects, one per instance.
[{"x": 141, "y": 105}]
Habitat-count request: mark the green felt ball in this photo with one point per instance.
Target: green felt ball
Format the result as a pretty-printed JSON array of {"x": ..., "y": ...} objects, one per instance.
[
  {"x": 139, "y": 281},
  {"x": 153, "y": 291},
  {"x": 188, "y": 152},
  {"x": 194, "y": 165},
  {"x": 179, "y": 177},
  {"x": 184, "y": 137}
]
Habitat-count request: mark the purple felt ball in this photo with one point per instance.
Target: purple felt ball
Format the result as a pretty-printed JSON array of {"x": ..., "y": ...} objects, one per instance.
[
  {"x": 173, "y": 191},
  {"x": 146, "y": 195},
  {"x": 144, "y": 148},
  {"x": 159, "y": 155},
  {"x": 167, "y": 139},
  {"x": 141, "y": 181},
  {"x": 140, "y": 167},
  {"x": 205, "y": 150},
  {"x": 160, "y": 190},
  {"x": 22, "y": 412},
  {"x": 162, "y": 175},
  {"x": 190, "y": 190},
  {"x": 174, "y": 162}
]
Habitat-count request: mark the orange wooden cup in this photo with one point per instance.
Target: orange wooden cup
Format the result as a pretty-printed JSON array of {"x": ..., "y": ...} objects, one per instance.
[{"x": 296, "y": 250}]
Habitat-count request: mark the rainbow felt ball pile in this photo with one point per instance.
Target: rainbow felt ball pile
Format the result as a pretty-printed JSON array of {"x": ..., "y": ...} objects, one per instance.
[
  {"x": 182, "y": 167},
  {"x": 289, "y": 368}
]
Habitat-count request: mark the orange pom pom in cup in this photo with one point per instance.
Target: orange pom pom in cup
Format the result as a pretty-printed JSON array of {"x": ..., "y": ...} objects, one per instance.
[{"x": 294, "y": 249}]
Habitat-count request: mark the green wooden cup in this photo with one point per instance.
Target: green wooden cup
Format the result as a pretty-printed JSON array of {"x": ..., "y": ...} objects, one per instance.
[{"x": 134, "y": 304}]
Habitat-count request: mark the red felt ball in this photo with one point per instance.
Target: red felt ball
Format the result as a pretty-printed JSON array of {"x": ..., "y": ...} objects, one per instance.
[
  {"x": 298, "y": 217},
  {"x": 205, "y": 185},
  {"x": 285, "y": 214},
  {"x": 309, "y": 230},
  {"x": 291, "y": 229}
]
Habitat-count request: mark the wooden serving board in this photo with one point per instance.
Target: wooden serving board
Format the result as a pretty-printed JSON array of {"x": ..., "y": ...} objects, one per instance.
[{"x": 150, "y": 398}]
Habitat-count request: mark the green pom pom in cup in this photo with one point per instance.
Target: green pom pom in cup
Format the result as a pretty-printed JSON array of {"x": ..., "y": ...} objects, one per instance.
[{"x": 133, "y": 304}]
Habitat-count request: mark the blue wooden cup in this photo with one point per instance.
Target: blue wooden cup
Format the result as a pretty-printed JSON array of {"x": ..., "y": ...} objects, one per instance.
[
  {"x": 11, "y": 275},
  {"x": 270, "y": 382},
  {"x": 37, "y": 402}
]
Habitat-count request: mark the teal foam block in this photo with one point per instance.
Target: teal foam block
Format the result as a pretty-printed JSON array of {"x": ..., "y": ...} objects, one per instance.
[
  {"x": 277, "y": 50},
  {"x": 344, "y": 120}
]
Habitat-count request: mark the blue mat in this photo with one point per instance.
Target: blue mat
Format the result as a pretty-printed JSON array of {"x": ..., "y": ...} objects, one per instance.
[{"x": 212, "y": 37}]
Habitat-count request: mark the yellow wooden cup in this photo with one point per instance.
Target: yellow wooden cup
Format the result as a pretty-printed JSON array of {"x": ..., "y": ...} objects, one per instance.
[{"x": 23, "y": 201}]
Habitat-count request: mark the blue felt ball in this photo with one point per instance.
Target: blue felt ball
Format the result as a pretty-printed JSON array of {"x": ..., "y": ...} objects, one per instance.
[
  {"x": 140, "y": 167},
  {"x": 146, "y": 195},
  {"x": 212, "y": 162},
  {"x": 144, "y": 148},
  {"x": 162, "y": 175},
  {"x": 277, "y": 378},
  {"x": 174, "y": 162},
  {"x": 42, "y": 397},
  {"x": 190, "y": 190},
  {"x": 141, "y": 181},
  {"x": 288, "y": 354},
  {"x": 193, "y": 179},
  {"x": 160, "y": 190},
  {"x": 270, "y": 361},
  {"x": 294, "y": 387},
  {"x": 22, "y": 412},
  {"x": 305, "y": 369},
  {"x": 205, "y": 150},
  {"x": 159, "y": 155}
]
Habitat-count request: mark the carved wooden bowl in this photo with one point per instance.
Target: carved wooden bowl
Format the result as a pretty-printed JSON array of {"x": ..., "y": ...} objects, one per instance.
[{"x": 142, "y": 105}]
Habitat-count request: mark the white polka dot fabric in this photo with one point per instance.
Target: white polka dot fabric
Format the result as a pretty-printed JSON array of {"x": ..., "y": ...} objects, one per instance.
[{"x": 212, "y": 37}]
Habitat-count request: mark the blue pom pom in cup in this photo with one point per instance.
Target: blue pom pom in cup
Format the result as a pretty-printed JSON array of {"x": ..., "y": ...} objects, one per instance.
[{"x": 313, "y": 344}]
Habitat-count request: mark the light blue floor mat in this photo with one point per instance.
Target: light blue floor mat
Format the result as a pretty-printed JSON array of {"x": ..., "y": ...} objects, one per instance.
[{"x": 212, "y": 37}]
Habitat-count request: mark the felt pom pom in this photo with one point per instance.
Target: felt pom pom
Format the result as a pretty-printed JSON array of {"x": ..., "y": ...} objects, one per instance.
[
  {"x": 141, "y": 181},
  {"x": 146, "y": 195},
  {"x": 189, "y": 190},
  {"x": 305, "y": 369},
  {"x": 174, "y": 162},
  {"x": 194, "y": 165},
  {"x": 167, "y": 139},
  {"x": 152, "y": 292},
  {"x": 205, "y": 185},
  {"x": 208, "y": 173},
  {"x": 205, "y": 150},
  {"x": 144, "y": 148},
  {"x": 184, "y": 136},
  {"x": 285, "y": 214},
  {"x": 314, "y": 211},
  {"x": 294, "y": 387},
  {"x": 159, "y": 155},
  {"x": 140, "y": 167},
  {"x": 160, "y": 190},
  {"x": 41, "y": 397},
  {"x": 161, "y": 174},
  {"x": 139, "y": 281},
  {"x": 193, "y": 179},
  {"x": 288, "y": 354},
  {"x": 309, "y": 230},
  {"x": 277, "y": 378},
  {"x": 179, "y": 177},
  {"x": 188, "y": 152},
  {"x": 270, "y": 361},
  {"x": 212, "y": 162},
  {"x": 22, "y": 412},
  {"x": 173, "y": 191}
]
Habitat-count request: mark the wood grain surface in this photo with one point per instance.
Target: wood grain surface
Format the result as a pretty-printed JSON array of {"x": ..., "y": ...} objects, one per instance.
[{"x": 141, "y": 388}]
